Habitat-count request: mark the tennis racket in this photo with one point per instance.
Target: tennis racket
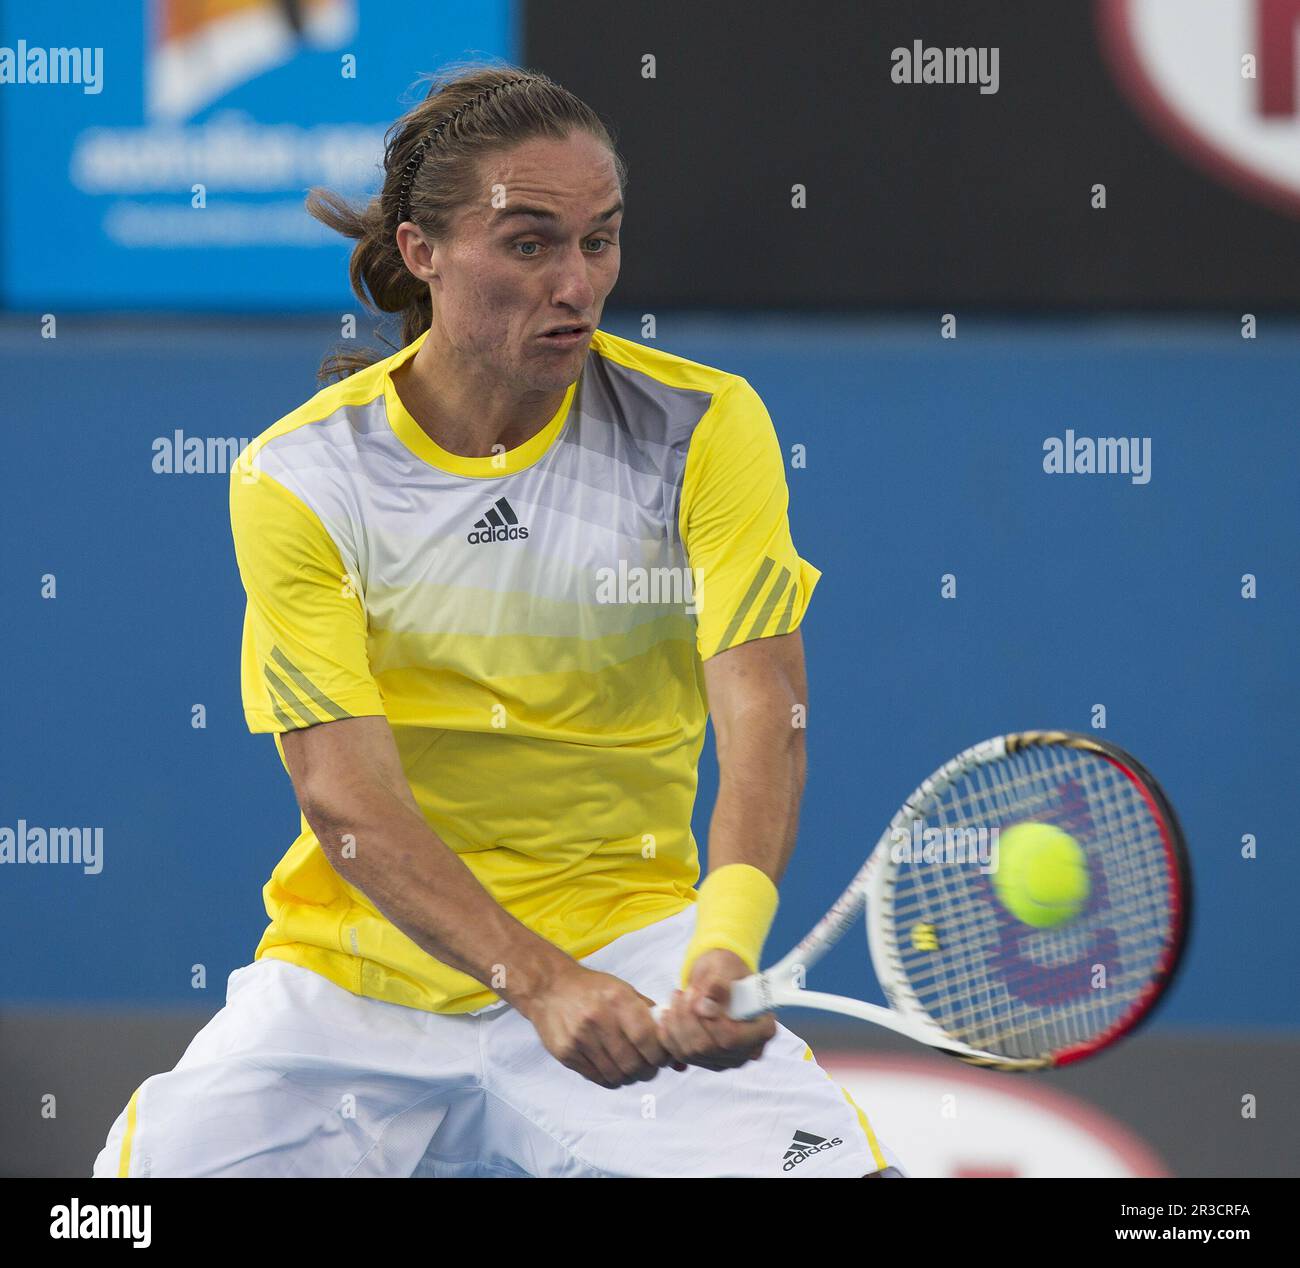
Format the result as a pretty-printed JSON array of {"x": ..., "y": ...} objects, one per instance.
[{"x": 964, "y": 975}]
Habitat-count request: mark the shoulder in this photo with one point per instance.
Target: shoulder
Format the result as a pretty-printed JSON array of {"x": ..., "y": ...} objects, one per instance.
[
  {"x": 320, "y": 431},
  {"x": 661, "y": 396},
  {"x": 657, "y": 366}
]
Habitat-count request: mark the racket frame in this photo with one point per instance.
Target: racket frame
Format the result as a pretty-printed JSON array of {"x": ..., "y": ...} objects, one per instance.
[{"x": 781, "y": 985}]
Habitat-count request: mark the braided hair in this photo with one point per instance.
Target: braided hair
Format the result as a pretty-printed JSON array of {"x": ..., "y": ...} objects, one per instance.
[
  {"x": 471, "y": 111},
  {"x": 449, "y": 121}
]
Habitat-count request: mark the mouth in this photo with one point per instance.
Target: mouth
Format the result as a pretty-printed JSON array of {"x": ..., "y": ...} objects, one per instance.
[{"x": 567, "y": 335}]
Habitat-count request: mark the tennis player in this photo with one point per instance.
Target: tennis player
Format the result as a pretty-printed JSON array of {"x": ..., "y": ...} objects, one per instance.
[{"x": 492, "y": 581}]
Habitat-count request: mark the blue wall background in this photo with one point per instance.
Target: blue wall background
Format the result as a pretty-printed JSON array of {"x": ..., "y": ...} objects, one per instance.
[
  {"x": 58, "y": 246},
  {"x": 923, "y": 457}
]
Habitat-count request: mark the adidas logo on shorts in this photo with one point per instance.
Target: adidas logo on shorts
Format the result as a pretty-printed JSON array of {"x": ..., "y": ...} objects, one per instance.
[
  {"x": 804, "y": 1145},
  {"x": 500, "y": 524}
]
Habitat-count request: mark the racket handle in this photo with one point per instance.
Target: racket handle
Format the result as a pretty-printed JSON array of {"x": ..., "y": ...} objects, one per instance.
[
  {"x": 746, "y": 998},
  {"x": 746, "y": 1001}
]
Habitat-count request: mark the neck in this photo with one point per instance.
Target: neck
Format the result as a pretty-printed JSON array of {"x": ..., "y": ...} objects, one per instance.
[{"x": 465, "y": 412}]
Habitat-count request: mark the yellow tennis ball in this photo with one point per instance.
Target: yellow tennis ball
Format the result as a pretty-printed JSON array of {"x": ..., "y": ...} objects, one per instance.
[{"x": 1042, "y": 875}]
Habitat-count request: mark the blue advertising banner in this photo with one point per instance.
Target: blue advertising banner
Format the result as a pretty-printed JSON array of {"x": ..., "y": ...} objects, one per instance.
[{"x": 156, "y": 153}]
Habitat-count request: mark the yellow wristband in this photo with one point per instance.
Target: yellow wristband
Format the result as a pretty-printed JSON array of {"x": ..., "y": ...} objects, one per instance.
[{"x": 734, "y": 913}]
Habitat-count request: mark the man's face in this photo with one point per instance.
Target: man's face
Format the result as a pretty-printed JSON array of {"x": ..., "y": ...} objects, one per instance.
[{"x": 503, "y": 277}]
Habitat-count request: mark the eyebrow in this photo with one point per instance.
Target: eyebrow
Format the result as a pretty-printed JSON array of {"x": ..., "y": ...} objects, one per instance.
[{"x": 540, "y": 213}]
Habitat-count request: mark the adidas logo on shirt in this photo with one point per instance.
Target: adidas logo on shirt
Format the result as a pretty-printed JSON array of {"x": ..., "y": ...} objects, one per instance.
[
  {"x": 804, "y": 1145},
  {"x": 500, "y": 524}
]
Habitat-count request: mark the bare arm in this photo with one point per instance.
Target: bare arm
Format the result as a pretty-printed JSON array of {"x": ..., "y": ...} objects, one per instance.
[
  {"x": 757, "y": 692},
  {"x": 350, "y": 783},
  {"x": 754, "y": 692},
  {"x": 353, "y": 792}
]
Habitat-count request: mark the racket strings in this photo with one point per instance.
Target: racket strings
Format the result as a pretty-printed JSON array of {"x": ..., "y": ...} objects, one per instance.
[
  {"x": 1005, "y": 987},
  {"x": 986, "y": 1005},
  {"x": 1131, "y": 902},
  {"x": 984, "y": 1011}
]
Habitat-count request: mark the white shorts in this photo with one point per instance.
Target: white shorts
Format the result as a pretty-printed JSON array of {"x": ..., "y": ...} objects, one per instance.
[{"x": 296, "y": 1076}]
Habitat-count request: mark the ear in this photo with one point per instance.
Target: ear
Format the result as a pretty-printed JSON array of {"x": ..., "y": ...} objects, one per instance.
[{"x": 418, "y": 255}]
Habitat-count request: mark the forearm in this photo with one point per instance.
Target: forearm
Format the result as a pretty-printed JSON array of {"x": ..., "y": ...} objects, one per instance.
[
  {"x": 762, "y": 765},
  {"x": 381, "y": 844},
  {"x": 754, "y": 823}
]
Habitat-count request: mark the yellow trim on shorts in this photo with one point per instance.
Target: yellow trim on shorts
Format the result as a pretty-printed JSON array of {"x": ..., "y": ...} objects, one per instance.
[
  {"x": 124, "y": 1161},
  {"x": 863, "y": 1121}
]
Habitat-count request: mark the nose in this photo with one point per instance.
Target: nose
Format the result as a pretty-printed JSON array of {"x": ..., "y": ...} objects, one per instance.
[{"x": 572, "y": 286}]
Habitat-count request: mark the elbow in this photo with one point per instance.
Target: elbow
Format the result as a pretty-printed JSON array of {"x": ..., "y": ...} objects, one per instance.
[
  {"x": 777, "y": 724},
  {"x": 342, "y": 817},
  {"x": 331, "y": 815}
]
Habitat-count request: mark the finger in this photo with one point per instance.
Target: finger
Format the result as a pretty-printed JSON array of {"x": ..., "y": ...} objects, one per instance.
[
  {"x": 766, "y": 1032},
  {"x": 713, "y": 998},
  {"x": 580, "y": 1065},
  {"x": 687, "y": 1040},
  {"x": 748, "y": 1045},
  {"x": 667, "y": 1039},
  {"x": 626, "y": 1059},
  {"x": 594, "y": 1051},
  {"x": 641, "y": 1032},
  {"x": 715, "y": 1018},
  {"x": 660, "y": 1037},
  {"x": 733, "y": 1042},
  {"x": 694, "y": 1043},
  {"x": 742, "y": 1035}
]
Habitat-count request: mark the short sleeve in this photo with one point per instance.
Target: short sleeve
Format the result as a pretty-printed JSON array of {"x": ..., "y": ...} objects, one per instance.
[
  {"x": 750, "y": 581},
  {"x": 304, "y": 657}
]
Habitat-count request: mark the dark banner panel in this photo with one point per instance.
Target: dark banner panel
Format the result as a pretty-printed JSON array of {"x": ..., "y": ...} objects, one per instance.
[{"x": 949, "y": 153}]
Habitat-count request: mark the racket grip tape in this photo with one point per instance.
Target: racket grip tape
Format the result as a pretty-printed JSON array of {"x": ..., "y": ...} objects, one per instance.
[{"x": 746, "y": 1001}]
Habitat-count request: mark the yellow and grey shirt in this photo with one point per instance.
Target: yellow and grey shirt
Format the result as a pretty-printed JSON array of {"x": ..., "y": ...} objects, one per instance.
[{"x": 533, "y": 626}]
